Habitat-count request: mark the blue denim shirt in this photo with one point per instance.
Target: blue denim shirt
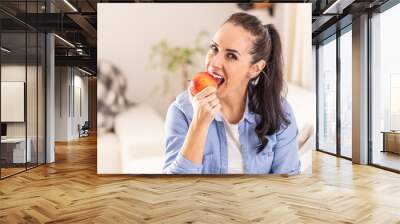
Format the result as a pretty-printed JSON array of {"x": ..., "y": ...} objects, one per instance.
[{"x": 279, "y": 156}]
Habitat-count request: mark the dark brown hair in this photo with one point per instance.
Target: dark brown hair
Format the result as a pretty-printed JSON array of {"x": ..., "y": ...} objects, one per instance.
[{"x": 265, "y": 90}]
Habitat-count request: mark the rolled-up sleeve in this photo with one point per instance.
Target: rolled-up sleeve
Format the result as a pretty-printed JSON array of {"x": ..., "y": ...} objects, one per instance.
[
  {"x": 176, "y": 128},
  {"x": 286, "y": 154}
]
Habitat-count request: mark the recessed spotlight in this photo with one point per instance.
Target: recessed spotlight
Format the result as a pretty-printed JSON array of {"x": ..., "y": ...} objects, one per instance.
[
  {"x": 84, "y": 71},
  {"x": 70, "y": 5},
  {"x": 5, "y": 50},
  {"x": 64, "y": 40}
]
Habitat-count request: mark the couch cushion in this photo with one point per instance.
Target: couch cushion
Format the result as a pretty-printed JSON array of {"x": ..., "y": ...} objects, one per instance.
[
  {"x": 108, "y": 154},
  {"x": 140, "y": 131}
]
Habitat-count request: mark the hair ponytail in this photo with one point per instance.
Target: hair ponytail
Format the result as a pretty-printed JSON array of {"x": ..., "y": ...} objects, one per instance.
[
  {"x": 265, "y": 90},
  {"x": 266, "y": 98}
]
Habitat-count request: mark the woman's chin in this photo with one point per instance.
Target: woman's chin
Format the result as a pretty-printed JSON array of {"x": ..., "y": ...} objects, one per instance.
[{"x": 221, "y": 90}]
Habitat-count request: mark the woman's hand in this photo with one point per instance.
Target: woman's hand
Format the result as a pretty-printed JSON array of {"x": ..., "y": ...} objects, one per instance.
[{"x": 205, "y": 105}]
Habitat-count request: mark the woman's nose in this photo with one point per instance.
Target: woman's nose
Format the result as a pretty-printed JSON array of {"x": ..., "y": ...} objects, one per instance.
[{"x": 217, "y": 61}]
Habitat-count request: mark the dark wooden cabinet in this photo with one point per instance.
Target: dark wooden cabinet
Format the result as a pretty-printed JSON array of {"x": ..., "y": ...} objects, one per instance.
[{"x": 391, "y": 141}]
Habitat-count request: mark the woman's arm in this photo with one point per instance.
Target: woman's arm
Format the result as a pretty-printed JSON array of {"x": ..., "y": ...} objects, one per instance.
[
  {"x": 185, "y": 143},
  {"x": 286, "y": 151}
]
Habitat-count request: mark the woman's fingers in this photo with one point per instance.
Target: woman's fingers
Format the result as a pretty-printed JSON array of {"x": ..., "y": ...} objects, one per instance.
[
  {"x": 205, "y": 104},
  {"x": 209, "y": 98},
  {"x": 205, "y": 92},
  {"x": 214, "y": 103},
  {"x": 210, "y": 101}
]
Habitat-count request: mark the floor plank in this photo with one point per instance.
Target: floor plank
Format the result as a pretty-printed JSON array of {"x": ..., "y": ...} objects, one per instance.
[{"x": 70, "y": 191}]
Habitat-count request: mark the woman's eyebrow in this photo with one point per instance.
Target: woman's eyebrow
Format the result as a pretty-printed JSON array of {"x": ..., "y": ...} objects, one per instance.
[{"x": 230, "y": 50}]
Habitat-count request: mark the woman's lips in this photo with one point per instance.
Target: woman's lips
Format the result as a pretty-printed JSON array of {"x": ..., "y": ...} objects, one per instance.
[{"x": 218, "y": 77}]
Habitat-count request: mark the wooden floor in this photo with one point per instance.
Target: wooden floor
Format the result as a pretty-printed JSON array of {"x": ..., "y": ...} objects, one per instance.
[
  {"x": 10, "y": 171},
  {"x": 388, "y": 159},
  {"x": 70, "y": 191}
]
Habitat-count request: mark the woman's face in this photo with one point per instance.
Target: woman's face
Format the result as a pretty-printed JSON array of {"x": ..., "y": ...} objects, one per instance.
[{"x": 228, "y": 59}]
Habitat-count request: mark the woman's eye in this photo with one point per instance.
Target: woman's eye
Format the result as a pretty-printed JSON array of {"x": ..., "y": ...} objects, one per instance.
[
  {"x": 213, "y": 48},
  {"x": 231, "y": 56}
]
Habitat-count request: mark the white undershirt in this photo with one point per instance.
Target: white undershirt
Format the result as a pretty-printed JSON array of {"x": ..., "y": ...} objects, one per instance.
[{"x": 235, "y": 164}]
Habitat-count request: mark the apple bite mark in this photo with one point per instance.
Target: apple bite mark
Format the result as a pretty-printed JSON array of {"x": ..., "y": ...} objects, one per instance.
[{"x": 220, "y": 79}]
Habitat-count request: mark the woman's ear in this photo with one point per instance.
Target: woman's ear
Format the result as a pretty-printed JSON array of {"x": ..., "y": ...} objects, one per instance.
[{"x": 256, "y": 69}]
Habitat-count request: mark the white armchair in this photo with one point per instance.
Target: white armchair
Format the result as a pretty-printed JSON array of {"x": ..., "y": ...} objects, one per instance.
[{"x": 137, "y": 146}]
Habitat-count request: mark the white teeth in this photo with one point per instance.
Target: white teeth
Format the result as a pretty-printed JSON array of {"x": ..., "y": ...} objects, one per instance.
[
  {"x": 216, "y": 75},
  {"x": 219, "y": 77}
]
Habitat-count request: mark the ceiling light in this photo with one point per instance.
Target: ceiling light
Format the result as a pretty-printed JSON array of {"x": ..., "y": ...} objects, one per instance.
[
  {"x": 5, "y": 50},
  {"x": 86, "y": 72},
  {"x": 65, "y": 41},
  {"x": 70, "y": 5},
  {"x": 337, "y": 7}
]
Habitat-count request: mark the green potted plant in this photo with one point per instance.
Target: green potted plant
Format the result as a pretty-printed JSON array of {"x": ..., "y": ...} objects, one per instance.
[{"x": 177, "y": 60}]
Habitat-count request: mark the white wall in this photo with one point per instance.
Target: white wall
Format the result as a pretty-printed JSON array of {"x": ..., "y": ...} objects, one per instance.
[
  {"x": 314, "y": 68},
  {"x": 79, "y": 117},
  {"x": 17, "y": 73},
  {"x": 33, "y": 127},
  {"x": 62, "y": 80},
  {"x": 14, "y": 73},
  {"x": 67, "y": 120}
]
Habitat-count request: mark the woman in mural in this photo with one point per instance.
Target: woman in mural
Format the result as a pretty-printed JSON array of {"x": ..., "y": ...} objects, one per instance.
[{"x": 244, "y": 125}]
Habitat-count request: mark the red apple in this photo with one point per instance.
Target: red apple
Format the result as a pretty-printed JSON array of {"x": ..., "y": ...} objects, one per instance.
[{"x": 200, "y": 81}]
